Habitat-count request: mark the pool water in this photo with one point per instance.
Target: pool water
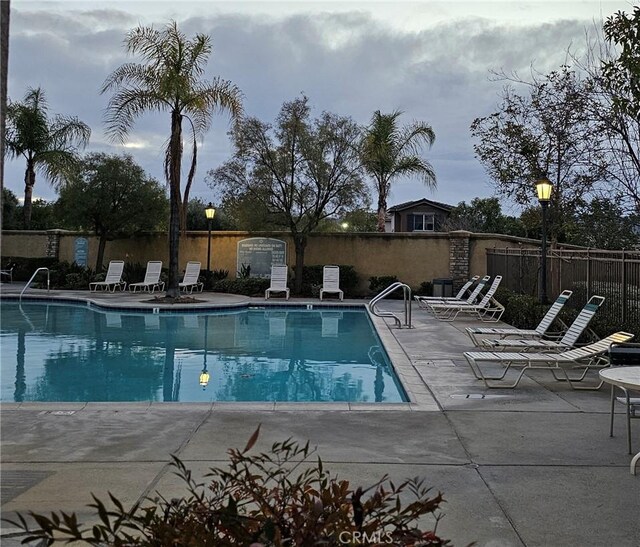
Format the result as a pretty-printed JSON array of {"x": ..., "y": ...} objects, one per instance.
[{"x": 67, "y": 352}]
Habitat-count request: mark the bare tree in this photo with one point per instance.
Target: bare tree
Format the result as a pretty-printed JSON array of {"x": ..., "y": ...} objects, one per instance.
[{"x": 301, "y": 170}]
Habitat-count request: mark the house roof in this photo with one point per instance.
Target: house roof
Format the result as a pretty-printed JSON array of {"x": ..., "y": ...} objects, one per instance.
[{"x": 423, "y": 201}]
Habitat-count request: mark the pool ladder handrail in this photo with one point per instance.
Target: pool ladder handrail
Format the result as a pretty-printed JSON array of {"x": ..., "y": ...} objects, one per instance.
[
  {"x": 30, "y": 280},
  {"x": 406, "y": 290}
]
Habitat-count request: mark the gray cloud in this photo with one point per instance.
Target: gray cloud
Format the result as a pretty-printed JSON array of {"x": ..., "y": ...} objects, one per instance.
[{"x": 348, "y": 63}]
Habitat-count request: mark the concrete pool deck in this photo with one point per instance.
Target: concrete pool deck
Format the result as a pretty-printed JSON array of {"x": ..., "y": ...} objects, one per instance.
[{"x": 531, "y": 466}]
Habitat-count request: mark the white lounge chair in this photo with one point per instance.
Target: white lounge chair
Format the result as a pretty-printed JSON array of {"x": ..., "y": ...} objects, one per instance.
[
  {"x": 331, "y": 281},
  {"x": 330, "y": 323},
  {"x": 190, "y": 279},
  {"x": 457, "y": 298},
  {"x": 488, "y": 309},
  {"x": 7, "y": 273},
  {"x": 566, "y": 342},
  {"x": 279, "y": 276},
  {"x": 538, "y": 332},
  {"x": 151, "y": 278},
  {"x": 277, "y": 323},
  {"x": 425, "y": 301},
  {"x": 585, "y": 357},
  {"x": 113, "y": 279}
]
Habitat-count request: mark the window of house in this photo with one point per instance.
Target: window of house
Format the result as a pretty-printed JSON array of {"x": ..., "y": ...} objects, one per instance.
[{"x": 422, "y": 222}]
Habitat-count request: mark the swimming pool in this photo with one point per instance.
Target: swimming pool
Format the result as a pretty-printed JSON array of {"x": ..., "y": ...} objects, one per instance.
[{"x": 76, "y": 353}]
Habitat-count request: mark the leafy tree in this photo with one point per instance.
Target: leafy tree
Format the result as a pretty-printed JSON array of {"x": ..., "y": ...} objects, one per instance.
[
  {"x": 9, "y": 210},
  {"x": 300, "y": 170},
  {"x": 390, "y": 151},
  {"x": 44, "y": 215},
  {"x": 168, "y": 80},
  {"x": 547, "y": 132},
  {"x": 624, "y": 72},
  {"x": 49, "y": 145},
  {"x": 616, "y": 104},
  {"x": 483, "y": 215},
  {"x": 360, "y": 220},
  {"x": 114, "y": 198},
  {"x": 245, "y": 212},
  {"x": 602, "y": 224}
]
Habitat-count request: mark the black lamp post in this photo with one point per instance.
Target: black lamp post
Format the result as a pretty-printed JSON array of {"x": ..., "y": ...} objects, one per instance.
[
  {"x": 543, "y": 189},
  {"x": 209, "y": 213}
]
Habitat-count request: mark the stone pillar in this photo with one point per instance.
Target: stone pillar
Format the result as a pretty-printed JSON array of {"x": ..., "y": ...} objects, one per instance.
[
  {"x": 53, "y": 243},
  {"x": 459, "y": 258}
]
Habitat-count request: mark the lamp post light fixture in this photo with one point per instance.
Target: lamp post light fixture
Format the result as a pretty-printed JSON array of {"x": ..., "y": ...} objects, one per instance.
[
  {"x": 204, "y": 378},
  {"x": 204, "y": 375},
  {"x": 344, "y": 226},
  {"x": 209, "y": 213},
  {"x": 543, "y": 189}
]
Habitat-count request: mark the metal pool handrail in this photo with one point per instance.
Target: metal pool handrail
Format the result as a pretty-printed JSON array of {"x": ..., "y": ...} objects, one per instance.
[
  {"x": 30, "y": 280},
  {"x": 406, "y": 290}
]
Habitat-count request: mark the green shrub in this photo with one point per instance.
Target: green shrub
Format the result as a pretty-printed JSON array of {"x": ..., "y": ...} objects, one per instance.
[
  {"x": 24, "y": 267},
  {"x": 209, "y": 279},
  {"x": 425, "y": 289},
  {"x": 283, "y": 497},
  {"x": 250, "y": 286},
  {"x": 70, "y": 276},
  {"x": 522, "y": 311},
  {"x": 378, "y": 284},
  {"x": 133, "y": 272}
]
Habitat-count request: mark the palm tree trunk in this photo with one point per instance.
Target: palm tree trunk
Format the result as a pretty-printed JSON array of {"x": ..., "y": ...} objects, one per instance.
[
  {"x": 382, "y": 211},
  {"x": 4, "y": 60},
  {"x": 175, "y": 160},
  {"x": 29, "y": 181}
]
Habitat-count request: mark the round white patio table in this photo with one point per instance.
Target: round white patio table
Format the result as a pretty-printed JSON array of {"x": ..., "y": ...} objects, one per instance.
[{"x": 625, "y": 378}]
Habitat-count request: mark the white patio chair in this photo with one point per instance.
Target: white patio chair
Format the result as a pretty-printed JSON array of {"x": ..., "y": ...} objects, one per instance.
[
  {"x": 190, "y": 279},
  {"x": 279, "y": 276},
  {"x": 569, "y": 339},
  {"x": 488, "y": 309},
  {"x": 539, "y": 332},
  {"x": 330, "y": 323},
  {"x": 425, "y": 301},
  {"x": 331, "y": 281},
  {"x": 585, "y": 357},
  {"x": 457, "y": 298},
  {"x": 151, "y": 278},
  {"x": 277, "y": 323},
  {"x": 113, "y": 279}
]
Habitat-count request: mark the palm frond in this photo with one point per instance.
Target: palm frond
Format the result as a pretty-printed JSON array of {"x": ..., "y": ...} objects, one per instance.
[
  {"x": 415, "y": 166},
  {"x": 126, "y": 105},
  {"x": 69, "y": 131},
  {"x": 414, "y": 137}
]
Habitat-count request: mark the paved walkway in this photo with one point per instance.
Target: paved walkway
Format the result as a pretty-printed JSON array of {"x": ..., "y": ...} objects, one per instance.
[{"x": 531, "y": 466}]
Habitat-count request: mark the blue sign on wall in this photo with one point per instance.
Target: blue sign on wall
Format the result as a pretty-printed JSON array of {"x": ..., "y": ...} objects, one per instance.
[
  {"x": 81, "y": 251},
  {"x": 261, "y": 253}
]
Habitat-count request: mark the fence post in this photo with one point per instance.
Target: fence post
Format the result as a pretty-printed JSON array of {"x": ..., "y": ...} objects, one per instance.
[
  {"x": 520, "y": 273},
  {"x": 588, "y": 275},
  {"x": 624, "y": 288}
]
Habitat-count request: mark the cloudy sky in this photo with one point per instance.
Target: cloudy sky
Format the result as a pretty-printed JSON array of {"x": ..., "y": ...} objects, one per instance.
[{"x": 432, "y": 60}]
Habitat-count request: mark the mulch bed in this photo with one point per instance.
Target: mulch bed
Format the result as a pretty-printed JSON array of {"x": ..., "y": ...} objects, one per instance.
[{"x": 176, "y": 300}]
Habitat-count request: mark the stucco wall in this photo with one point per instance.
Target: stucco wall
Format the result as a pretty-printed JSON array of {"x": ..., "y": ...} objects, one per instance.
[
  {"x": 24, "y": 244},
  {"x": 412, "y": 257}
]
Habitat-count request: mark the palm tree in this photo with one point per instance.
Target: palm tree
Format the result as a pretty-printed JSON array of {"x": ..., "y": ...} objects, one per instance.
[
  {"x": 168, "y": 80},
  {"x": 389, "y": 152},
  {"x": 50, "y": 146},
  {"x": 5, "y": 11}
]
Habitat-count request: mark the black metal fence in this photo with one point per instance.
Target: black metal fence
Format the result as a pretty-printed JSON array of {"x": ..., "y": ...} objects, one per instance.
[{"x": 612, "y": 274}]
